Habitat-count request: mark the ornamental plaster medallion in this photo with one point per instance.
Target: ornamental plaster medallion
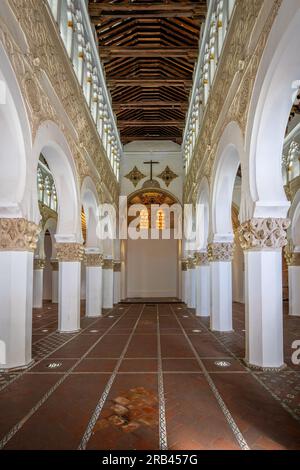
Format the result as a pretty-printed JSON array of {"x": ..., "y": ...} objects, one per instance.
[
  {"x": 167, "y": 176},
  {"x": 135, "y": 176}
]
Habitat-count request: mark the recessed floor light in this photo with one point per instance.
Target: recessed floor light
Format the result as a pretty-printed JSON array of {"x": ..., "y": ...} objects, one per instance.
[
  {"x": 110, "y": 316},
  {"x": 243, "y": 330},
  {"x": 94, "y": 331},
  {"x": 49, "y": 308},
  {"x": 179, "y": 308},
  {"x": 54, "y": 365},
  {"x": 222, "y": 363},
  {"x": 45, "y": 331},
  {"x": 196, "y": 331},
  {"x": 185, "y": 316},
  {"x": 39, "y": 316}
]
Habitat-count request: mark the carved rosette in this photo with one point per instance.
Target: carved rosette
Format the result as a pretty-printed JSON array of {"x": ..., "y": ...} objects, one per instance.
[
  {"x": 220, "y": 251},
  {"x": 69, "y": 252},
  {"x": 18, "y": 235},
  {"x": 117, "y": 266},
  {"x": 292, "y": 257},
  {"x": 263, "y": 234},
  {"x": 201, "y": 258},
  {"x": 93, "y": 260},
  {"x": 108, "y": 264},
  {"x": 191, "y": 263},
  {"x": 54, "y": 265},
  {"x": 39, "y": 263},
  {"x": 184, "y": 264}
]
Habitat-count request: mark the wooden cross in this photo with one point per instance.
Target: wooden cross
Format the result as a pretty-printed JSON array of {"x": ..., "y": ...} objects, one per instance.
[{"x": 151, "y": 163}]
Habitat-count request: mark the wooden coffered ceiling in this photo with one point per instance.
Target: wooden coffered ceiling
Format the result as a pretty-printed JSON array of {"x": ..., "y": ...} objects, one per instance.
[{"x": 149, "y": 49}]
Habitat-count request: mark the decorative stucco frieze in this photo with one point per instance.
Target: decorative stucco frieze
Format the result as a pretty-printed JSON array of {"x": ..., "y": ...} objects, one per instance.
[
  {"x": 18, "y": 235},
  {"x": 69, "y": 252},
  {"x": 220, "y": 251},
  {"x": 261, "y": 234}
]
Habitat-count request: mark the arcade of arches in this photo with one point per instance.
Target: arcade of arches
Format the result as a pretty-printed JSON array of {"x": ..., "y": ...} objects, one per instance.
[{"x": 164, "y": 102}]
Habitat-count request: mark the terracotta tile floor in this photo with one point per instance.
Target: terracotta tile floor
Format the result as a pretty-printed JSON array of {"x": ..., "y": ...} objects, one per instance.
[{"x": 148, "y": 376}]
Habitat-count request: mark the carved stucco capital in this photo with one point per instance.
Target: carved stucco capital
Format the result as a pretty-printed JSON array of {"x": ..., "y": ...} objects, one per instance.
[
  {"x": 39, "y": 263},
  {"x": 220, "y": 251},
  {"x": 201, "y": 258},
  {"x": 191, "y": 263},
  {"x": 54, "y": 264},
  {"x": 117, "y": 266},
  {"x": 69, "y": 251},
  {"x": 18, "y": 235},
  {"x": 263, "y": 234},
  {"x": 292, "y": 257},
  {"x": 93, "y": 259},
  {"x": 183, "y": 265},
  {"x": 108, "y": 264}
]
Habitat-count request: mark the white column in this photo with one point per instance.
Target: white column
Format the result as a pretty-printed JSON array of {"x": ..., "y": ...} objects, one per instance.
[
  {"x": 93, "y": 284},
  {"x": 192, "y": 284},
  {"x": 187, "y": 286},
  {"x": 38, "y": 276},
  {"x": 220, "y": 256},
  {"x": 108, "y": 283},
  {"x": 263, "y": 288},
  {"x": 54, "y": 297},
  {"x": 262, "y": 240},
  {"x": 202, "y": 285},
  {"x": 117, "y": 282},
  {"x": 16, "y": 282},
  {"x": 70, "y": 256},
  {"x": 294, "y": 284},
  {"x": 183, "y": 280}
]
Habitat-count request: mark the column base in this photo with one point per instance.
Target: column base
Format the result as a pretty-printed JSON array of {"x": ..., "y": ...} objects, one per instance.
[
  {"x": 220, "y": 331},
  {"x": 18, "y": 368},
  {"x": 69, "y": 331},
  {"x": 262, "y": 368}
]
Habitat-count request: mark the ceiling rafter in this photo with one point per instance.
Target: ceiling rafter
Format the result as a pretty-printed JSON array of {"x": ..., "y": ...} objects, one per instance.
[{"x": 149, "y": 49}]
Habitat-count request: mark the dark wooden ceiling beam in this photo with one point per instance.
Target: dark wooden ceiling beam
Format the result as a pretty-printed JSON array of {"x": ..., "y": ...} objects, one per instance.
[
  {"x": 156, "y": 104},
  {"x": 126, "y": 139},
  {"x": 157, "y": 123},
  {"x": 144, "y": 83},
  {"x": 105, "y": 10},
  {"x": 113, "y": 52}
]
